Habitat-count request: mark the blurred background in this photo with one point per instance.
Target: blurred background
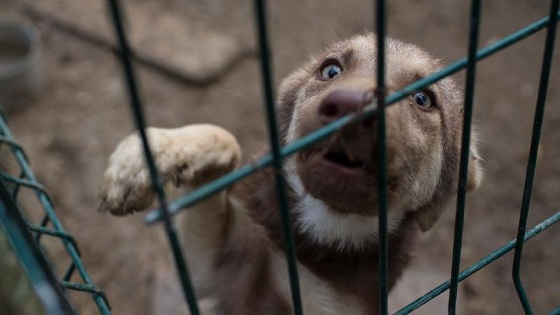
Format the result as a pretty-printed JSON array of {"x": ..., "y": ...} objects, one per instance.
[{"x": 197, "y": 63}]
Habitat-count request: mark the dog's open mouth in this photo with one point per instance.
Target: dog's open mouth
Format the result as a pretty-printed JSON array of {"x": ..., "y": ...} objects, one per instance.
[
  {"x": 342, "y": 158},
  {"x": 339, "y": 173}
]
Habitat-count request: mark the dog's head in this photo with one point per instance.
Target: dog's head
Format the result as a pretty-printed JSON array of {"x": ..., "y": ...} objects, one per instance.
[{"x": 423, "y": 133}]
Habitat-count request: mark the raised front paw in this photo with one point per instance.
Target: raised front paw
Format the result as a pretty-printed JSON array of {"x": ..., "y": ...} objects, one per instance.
[{"x": 192, "y": 155}]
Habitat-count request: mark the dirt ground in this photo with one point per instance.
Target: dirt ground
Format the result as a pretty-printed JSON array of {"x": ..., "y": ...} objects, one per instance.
[{"x": 70, "y": 130}]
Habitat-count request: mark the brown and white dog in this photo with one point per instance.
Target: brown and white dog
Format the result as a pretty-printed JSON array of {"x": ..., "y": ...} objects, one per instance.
[{"x": 233, "y": 240}]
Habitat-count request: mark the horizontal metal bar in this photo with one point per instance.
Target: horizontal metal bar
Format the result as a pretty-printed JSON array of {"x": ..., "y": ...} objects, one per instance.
[
  {"x": 81, "y": 287},
  {"x": 14, "y": 145},
  {"x": 306, "y": 141},
  {"x": 90, "y": 288},
  {"x": 479, "y": 265},
  {"x": 60, "y": 234},
  {"x": 24, "y": 182}
]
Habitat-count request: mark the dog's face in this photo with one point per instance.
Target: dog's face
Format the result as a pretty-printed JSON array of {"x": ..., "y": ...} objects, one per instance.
[{"x": 423, "y": 131}]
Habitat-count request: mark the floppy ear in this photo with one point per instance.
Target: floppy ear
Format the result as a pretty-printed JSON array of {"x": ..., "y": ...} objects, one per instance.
[
  {"x": 426, "y": 217},
  {"x": 474, "y": 177}
]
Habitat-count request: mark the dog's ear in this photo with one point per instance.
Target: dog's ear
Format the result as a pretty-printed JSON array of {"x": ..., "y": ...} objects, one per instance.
[
  {"x": 426, "y": 217},
  {"x": 475, "y": 170}
]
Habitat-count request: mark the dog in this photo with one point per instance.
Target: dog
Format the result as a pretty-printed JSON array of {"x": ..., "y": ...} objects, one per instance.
[{"x": 233, "y": 239}]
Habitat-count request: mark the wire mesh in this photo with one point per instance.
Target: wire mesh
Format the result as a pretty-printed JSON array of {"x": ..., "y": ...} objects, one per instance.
[{"x": 28, "y": 247}]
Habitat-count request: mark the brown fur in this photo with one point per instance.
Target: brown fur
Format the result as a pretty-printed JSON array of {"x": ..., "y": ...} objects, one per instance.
[{"x": 234, "y": 241}]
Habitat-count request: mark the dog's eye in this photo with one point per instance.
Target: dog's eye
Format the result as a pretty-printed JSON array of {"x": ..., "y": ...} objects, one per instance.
[
  {"x": 422, "y": 99},
  {"x": 330, "y": 70}
]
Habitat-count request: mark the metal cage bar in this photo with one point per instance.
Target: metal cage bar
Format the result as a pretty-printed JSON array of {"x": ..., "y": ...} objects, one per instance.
[
  {"x": 533, "y": 152},
  {"x": 157, "y": 184},
  {"x": 465, "y": 155},
  {"x": 380, "y": 94},
  {"x": 266, "y": 76}
]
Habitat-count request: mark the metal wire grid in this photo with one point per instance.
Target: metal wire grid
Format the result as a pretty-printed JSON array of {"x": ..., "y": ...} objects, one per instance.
[
  {"x": 25, "y": 237},
  {"x": 166, "y": 211}
]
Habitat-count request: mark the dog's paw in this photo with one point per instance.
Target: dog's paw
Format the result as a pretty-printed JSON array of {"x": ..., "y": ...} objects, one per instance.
[
  {"x": 126, "y": 183},
  {"x": 192, "y": 155}
]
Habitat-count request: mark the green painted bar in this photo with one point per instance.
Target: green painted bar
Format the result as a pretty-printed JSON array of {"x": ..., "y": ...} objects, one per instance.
[
  {"x": 194, "y": 196},
  {"x": 479, "y": 265},
  {"x": 266, "y": 75},
  {"x": 380, "y": 93},
  {"x": 125, "y": 54},
  {"x": 533, "y": 153},
  {"x": 465, "y": 155},
  {"x": 27, "y": 183},
  {"x": 64, "y": 235}
]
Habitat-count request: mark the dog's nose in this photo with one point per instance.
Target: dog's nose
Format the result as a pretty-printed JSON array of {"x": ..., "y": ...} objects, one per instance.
[{"x": 340, "y": 103}]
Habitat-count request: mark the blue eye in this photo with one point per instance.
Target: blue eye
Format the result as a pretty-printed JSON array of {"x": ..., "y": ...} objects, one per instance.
[
  {"x": 330, "y": 70},
  {"x": 422, "y": 99}
]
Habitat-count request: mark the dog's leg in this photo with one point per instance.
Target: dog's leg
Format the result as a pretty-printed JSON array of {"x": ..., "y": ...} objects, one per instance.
[{"x": 189, "y": 156}]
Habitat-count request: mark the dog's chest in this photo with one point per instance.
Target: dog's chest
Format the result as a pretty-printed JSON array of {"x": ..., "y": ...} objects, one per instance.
[{"x": 318, "y": 296}]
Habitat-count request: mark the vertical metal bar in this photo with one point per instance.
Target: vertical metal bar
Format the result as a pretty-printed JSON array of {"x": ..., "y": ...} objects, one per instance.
[
  {"x": 465, "y": 153},
  {"x": 532, "y": 161},
  {"x": 277, "y": 157},
  {"x": 157, "y": 183},
  {"x": 380, "y": 94}
]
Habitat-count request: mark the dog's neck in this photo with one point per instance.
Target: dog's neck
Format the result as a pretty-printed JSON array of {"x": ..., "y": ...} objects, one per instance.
[
  {"x": 341, "y": 249},
  {"x": 329, "y": 227}
]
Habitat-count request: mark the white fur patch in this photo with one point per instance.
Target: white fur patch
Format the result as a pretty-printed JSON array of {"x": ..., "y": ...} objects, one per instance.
[
  {"x": 317, "y": 297},
  {"x": 329, "y": 227}
]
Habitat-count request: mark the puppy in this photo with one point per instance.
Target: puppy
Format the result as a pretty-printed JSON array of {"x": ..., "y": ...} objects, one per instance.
[{"x": 233, "y": 240}]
